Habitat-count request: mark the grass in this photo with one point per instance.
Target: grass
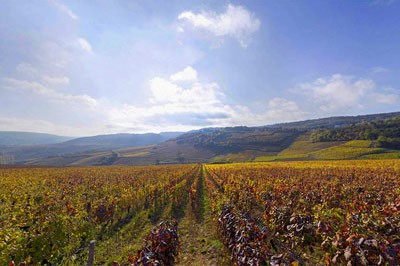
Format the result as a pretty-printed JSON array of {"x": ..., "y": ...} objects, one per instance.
[
  {"x": 136, "y": 154},
  {"x": 200, "y": 244},
  {"x": 280, "y": 157},
  {"x": 245, "y": 156},
  {"x": 127, "y": 240},
  {"x": 239, "y": 157},
  {"x": 359, "y": 143},
  {"x": 304, "y": 149},
  {"x": 300, "y": 149},
  {"x": 95, "y": 159},
  {"x": 303, "y": 146},
  {"x": 350, "y": 150},
  {"x": 384, "y": 155}
]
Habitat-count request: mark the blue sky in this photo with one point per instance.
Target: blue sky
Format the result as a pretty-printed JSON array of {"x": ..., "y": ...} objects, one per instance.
[{"x": 96, "y": 67}]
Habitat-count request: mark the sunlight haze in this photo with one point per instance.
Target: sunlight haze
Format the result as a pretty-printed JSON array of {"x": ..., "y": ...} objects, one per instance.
[{"x": 76, "y": 68}]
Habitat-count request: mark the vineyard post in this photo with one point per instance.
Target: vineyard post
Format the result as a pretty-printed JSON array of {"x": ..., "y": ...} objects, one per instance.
[{"x": 91, "y": 253}]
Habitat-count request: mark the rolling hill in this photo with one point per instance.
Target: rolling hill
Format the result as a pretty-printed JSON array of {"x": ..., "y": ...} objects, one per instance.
[
  {"x": 279, "y": 142},
  {"x": 8, "y": 138},
  {"x": 78, "y": 146},
  {"x": 334, "y": 122},
  {"x": 115, "y": 141}
]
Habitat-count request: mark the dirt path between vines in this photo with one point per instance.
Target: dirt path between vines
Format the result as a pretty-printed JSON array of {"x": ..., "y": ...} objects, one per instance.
[{"x": 199, "y": 242}]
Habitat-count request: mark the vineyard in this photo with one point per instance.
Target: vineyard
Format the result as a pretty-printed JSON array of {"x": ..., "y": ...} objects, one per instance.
[{"x": 281, "y": 213}]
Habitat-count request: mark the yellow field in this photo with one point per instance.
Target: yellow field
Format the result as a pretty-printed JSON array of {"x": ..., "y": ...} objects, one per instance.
[
  {"x": 308, "y": 212},
  {"x": 305, "y": 149},
  {"x": 136, "y": 154}
]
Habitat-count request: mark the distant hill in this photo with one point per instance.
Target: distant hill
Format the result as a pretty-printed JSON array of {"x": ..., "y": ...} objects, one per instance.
[
  {"x": 383, "y": 133},
  {"x": 115, "y": 141},
  {"x": 334, "y": 122},
  {"x": 29, "y": 138},
  {"x": 285, "y": 141},
  {"x": 204, "y": 145},
  {"x": 21, "y": 153},
  {"x": 236, "y": 139}
]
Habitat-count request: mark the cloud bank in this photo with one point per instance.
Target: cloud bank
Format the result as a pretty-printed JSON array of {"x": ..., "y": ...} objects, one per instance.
[
  {"x": 64, "y": 9},
  {"x": 339, "y": 94},
  {"x": 236, "y": 22},
  {"x": 107, "y": 78}
]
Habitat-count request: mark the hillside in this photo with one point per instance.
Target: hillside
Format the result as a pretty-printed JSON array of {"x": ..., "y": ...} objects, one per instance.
[
  {"x": 192, "y": 147},
  {"x": 280, "y": 142},
  {"x": 29, "y": 138},
  {"x": 374, "y": 139},
  {"x": 305, "y": 149},
  {"x": 384, "y": 133},
  {"x": 334, "y": 122},
  {"x": 115, "y": 141},
  {"x": 61, "y": 153}
]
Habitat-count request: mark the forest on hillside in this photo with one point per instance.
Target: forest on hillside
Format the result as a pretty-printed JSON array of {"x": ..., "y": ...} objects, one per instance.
[{"x": 384, "y": 133}]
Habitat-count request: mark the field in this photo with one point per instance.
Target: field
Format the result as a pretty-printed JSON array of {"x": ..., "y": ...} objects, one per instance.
[
  {"x": 304, "y": 149},
  {"x": 267, "y": 213}
]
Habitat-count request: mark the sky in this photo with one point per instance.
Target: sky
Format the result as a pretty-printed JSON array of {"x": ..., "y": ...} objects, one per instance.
[{"x": 79, "y": 68}]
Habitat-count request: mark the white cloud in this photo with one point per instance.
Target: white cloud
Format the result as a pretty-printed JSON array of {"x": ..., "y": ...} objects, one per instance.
[
  {"x": 182, "y": 101},
  {"x": 196, "y": 104},
  {"x": 338, "y": 94},
  {"x": 388, "y": 96},
  {"x": 52, "y": 55},
  {"x": 378, "y": 70},
  {"x": 167, "y": 91},
  {"x": 163, "y": 90},
  {"x": 236, "y": 22},
  {"x": 56, "y": 81},
  {"x": 173, "y": 105},
  {"x": 282, "y": 109},
  {"x": 27, "y": 70},
  {"x": 188, "y": 74},
  {"x": 193, "y": 104},
  {"x": 43, "y": 91},
  {"x": 83, "y": 44},
  {"x": 277, "y": 110},
  {"x": 190, "y": 93},
  {"x": 64, "y": 9}
]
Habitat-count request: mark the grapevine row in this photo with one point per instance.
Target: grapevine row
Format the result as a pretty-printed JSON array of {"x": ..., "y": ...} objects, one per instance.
[{"x": 348, "y": 214}]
